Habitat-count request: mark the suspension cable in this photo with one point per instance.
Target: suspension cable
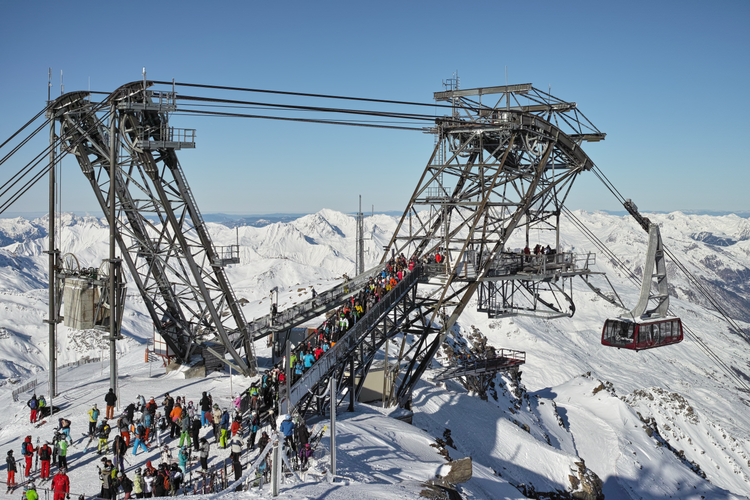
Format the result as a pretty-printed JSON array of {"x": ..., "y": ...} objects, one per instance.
[
  {"x": 23, "y": 127},
  {"x": 197, "y": 112}
]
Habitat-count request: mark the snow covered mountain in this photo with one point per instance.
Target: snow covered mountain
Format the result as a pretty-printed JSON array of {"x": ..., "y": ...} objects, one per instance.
[{"x": 669, "y": 422}]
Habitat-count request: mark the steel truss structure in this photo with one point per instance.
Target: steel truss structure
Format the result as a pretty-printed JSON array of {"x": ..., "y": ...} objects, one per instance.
[
  {"x": 160, "y": 233},
  {"x": 495, "y": 169}
]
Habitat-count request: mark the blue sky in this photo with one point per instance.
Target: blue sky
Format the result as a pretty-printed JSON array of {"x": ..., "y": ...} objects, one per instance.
[{"x": 667, "y": 81}]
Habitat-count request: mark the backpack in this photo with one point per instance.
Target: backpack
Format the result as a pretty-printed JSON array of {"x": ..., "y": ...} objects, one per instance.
[
  {"x": 25, "y": 449},
  {"x": 167, "y": 484},
  {"x": 95, "y": 413}
]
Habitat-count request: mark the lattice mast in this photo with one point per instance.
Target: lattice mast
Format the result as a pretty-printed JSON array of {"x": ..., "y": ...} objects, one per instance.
[
  {"x": 160, "y": 232},
  {"x": 507, "y": 165}
]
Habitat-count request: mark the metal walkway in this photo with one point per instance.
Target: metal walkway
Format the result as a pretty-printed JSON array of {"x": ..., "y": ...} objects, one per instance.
[
  {"x": 505, "y": 360},
  {"x": 355, "y": 350},
  {"x": 311, "y": 308}
]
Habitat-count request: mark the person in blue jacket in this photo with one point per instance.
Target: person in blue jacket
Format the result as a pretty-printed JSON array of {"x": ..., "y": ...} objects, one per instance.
[
  {"x": 287, "y": 429},
  {"x": 309, "y": 360},
  {"x": 224, "y": 424}
]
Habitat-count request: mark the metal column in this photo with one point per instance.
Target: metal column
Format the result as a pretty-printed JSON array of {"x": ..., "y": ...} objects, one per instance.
[
  {"x": 113, "y": 263},
  {"x": 52, "y": 253}
]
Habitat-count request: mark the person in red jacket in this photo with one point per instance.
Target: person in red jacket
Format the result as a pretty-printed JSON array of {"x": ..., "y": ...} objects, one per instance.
[
  {"x": 28, "y": 454},
  {"x": 61, "y": 485}
]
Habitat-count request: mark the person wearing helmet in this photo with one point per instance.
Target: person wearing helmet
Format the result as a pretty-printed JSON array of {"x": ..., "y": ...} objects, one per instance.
[
  {"x": 11, "y": 461},
  {"x": 224, "y": 424},
  {"x": 287, "y": 429},
  {"x": 61, "y": 484},
  {"x": 103, "y": 434},
  {"x": 254, "y": 426},
  {"x": 138, "y": 484},
  {"x": 30, "y": 491},
  {"x": 93, "y": 417}
]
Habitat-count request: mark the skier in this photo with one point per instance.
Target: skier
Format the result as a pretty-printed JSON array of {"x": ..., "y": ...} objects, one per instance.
[
  {"x": 205, "y": 449},
  {"x": 305, "y": 453},
  {"x": 216, "y": 415},
  {"x": 175, "y": 479},
  {"x": 196, "y": 433},
  {"x": 175, "y": 419},
  {"x": 182, "y": 458},
  {"x": 254, "y": 426},
  {"x": 103, "y": 434},
  {"x": 138, "y": 485},
  {"x": 105, "y": 475},
  {"x": 110, "y": 399},
  {"x": 205, "y": 403},
  {"x": 166, "y": 455},
  {"x": 41, "y": 404},
  {"x": 11, "y": 461},
  {"x": 93, "y": 417},
  {"x": 263, "y": 441},
  {"x": 303, "y": 435},
  {"x": 61, "y": 485},
  {"x": 45, "y": 454},
  {"x": 287, "y": 429},
  {"x": 140, "y": 439},
  {"x": 224, "y": 428},
  {"x": 33, "y": 404},
  {"x": 28, "y": 454},
  {"x": 161, "y": 483},
  {"x": 118, "y": 449},
  {"x": 235, "y": 455},
  {"x": 123, "y": 426},
  {"x": 125, "y": 483},
  {"x": 30, "y": 491},
  {"x": 62, "y": 451},
  {"x": 141, "y": 403},
  {"x": 185, "y": 429},
  {"x": 63, "y": 425}
]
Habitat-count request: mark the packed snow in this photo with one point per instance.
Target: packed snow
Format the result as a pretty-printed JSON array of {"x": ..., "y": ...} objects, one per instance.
[{"x": 662, "y": 423}]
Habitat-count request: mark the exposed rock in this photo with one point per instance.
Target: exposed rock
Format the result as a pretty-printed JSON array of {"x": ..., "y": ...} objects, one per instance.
[{"x": 461, "y": 471}]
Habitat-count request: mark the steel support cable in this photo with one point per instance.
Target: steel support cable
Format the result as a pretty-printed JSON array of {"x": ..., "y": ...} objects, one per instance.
[
  {"x": 24, "y": 141},
  {"x": 701, "y": 345},
  {"x": 304, "y": 94},
  {"x": 198, "y": 112},
  {"x": 24, "y": 126},
  {"x": 706, "y": 294},
  {"x": 691, "y": 278},
  {"x": 29, "y": 184},
  {"x": 387, "y": 114}
]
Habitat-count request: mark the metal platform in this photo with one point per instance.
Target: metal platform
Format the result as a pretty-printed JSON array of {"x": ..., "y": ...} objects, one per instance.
[{"x": 505, "y": 360}]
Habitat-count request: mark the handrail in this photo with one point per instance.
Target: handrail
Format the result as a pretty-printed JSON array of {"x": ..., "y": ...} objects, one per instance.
[
  {"x": 342, "y": 349},
  {"x": 310, "y": 308}
]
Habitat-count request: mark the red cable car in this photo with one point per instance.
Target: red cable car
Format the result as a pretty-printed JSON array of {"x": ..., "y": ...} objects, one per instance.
[
  {"x": 639, "y": 335},
  {"x": 647, "y": 328}
]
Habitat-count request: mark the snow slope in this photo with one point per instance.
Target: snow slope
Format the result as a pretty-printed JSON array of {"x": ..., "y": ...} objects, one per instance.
[{"x": 649, "y": 424}]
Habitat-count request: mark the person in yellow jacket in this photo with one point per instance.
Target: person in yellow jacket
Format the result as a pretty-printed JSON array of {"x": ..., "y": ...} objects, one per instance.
[
  {"x": 30, "y": 491},
  {"x": 93, "y": 418}
]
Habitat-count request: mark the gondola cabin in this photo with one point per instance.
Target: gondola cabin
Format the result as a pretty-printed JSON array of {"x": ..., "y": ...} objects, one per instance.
[{"x": 642, "y": 334}]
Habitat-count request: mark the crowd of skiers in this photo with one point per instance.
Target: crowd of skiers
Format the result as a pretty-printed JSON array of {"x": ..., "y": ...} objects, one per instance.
[
  {"x": 346, "y": 316},
  {"x": 141, "y": 426},
  {"x": 142, "y": 422}
]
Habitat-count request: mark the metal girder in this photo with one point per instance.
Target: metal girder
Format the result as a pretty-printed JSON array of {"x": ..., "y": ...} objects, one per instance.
[
  {"x": 494, "y": 169},
  {"x": 160, "y": 231}
]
